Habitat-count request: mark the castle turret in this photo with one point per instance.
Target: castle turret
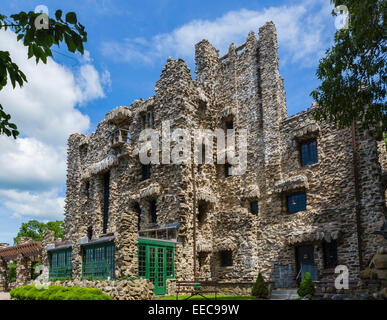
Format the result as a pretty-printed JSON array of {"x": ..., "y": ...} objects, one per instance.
[
  {"x": 272, "y": 97},
  {"x": 206, "y": 60}
]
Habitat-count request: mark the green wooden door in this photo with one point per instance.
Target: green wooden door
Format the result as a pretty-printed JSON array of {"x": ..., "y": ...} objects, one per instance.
[{"x": 156, "y": 263}]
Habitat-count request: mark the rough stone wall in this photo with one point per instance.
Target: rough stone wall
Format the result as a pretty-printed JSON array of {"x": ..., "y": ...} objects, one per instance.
[
  {"x": 3, "y": 275},
  {"x": 244, "y": 86},
  {"x": 48, "y": 238},
  {"x": 138, "y": 289},
  {"x": 23, "y": 270}
]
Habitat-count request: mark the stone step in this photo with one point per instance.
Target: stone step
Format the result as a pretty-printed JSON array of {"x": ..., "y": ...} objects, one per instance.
[{"x": 284, "y": 294}]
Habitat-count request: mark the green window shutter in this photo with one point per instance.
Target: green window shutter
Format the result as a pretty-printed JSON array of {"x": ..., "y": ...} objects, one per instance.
[
  {"x": 60, "y": 264},
  {"x": 98, "y": 261}
]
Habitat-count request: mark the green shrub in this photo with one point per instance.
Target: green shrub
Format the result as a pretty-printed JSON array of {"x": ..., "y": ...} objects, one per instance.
[
  {"x": 260, "y": 289},
  {"x": 55, "y": 292},
  {"x": 306, "y": 286}
]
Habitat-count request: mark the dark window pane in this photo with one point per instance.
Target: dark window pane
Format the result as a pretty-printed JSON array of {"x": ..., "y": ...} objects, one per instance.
[
  {"x": 227, "y": 170},
  {"x": 230, "y": 125},
  {"x": 309, "y": 152},
  {"x": 296, "y": 202},
  {"x": 254, "y": 207},
  {"x": 226, "y": 258},
  {"x": 330, "y": 254},
  {"x": 145, "y": 171}
]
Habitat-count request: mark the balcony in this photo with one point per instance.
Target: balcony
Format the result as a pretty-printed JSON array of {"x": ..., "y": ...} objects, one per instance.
[{"x": 120, "y": 137}]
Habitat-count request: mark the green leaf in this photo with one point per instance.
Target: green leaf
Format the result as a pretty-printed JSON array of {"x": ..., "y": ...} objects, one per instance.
[
  {"x": 71, "y": 17},
  {"x": 30, "y": 51},
  {"x": 58, "y": 14},
  {"x": 70, "y": 43}
]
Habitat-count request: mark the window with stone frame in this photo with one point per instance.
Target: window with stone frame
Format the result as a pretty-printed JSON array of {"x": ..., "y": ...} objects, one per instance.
[
  {"x": 330, "y": 254},
  {"x": 83, "y": 150},
  {"x": 203, "y": 158},
  {"x": 90, "y": 233},
  {"x": 229, "y": 124},
  {"x": 308, "y": 152},
  {"x": 202, "y": 213},
  {"x": 296, "y": 202},
  {"x": 254, "y": 207},
  {"x": 227, "y": 170},
  {"x": 145, "y": 171},
  {"x": 87, "y": 189},
  {"x": 153, "y": 211},
  {"x": 226, "y": 258},
  {"x": 147, "y": 119}
]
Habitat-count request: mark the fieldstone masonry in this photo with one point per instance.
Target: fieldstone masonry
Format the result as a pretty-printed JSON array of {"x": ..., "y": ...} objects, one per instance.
[{"x": 244, "y": 86}]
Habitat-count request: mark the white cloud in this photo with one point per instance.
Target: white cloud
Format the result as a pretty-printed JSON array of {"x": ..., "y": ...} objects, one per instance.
[
  {"x": 301, "y": 29},
  {"x": 37, "y": 205},
  {"x": 28, "y": 163},
  {"x": 33, "y": 167}
]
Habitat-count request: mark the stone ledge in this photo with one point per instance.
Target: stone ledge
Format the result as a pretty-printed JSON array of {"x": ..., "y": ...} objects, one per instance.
[{"x": 292, "y": 183}]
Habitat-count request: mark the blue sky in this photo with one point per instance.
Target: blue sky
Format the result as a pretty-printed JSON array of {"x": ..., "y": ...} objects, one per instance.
[{"x": 128, "y": 44}]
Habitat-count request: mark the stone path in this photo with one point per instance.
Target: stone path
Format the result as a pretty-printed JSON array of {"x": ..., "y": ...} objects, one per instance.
[
  {"x": 5, "y": 296},
  {"x": 284, "y": 294}
]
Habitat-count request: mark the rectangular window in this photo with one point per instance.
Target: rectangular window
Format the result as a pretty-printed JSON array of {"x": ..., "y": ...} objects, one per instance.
[
  {"x": 87, "y": 189},
  {"x": 153, "y": 209},
  {"x": 98, "y": 261},
  {"x": 309, "y": 152},
  {"x": 226, "y": 258},
  {"x": 254, "y": 207},
  {"x": 169, "y": 262},
  {"x": 227, "y": 170},
  {"x": 296, "y": 202},
  {"x": 330, "y": 254},
  {"x": 60, "y": 264},
  {"x": 106, "y": 191},
  {"x": 142, "y": 261},
  {"x": 229, "y": 125},
  {"x": 146, "y": 173}
]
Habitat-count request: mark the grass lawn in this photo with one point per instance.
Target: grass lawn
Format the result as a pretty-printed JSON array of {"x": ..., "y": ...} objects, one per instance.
[{"x": 209, "y": 296}]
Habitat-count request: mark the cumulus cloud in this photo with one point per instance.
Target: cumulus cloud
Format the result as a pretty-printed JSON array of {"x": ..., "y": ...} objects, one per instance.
[
  {"x": 33, "y": 167},
  {"x": 35, "y": 205},
  {"x": 301, "y": 28},
  {"x": 29, "y": 164}
]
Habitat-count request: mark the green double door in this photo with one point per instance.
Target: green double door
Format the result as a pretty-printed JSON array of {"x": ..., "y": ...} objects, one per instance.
[{"x": 156, "y": 262}]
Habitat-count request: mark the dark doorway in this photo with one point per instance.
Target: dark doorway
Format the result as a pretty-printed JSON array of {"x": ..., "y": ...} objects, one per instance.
[{"x": 305, "y": 262}]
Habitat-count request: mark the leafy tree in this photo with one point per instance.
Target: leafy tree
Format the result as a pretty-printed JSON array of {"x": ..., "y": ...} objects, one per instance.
[
  {"x": 39, "y": 41},
  {"x": 353, "y": 72},
  {"x": 260, "y": 289},
  {"x": 306, "y": 286},
  {"x": 12, "y": 271},
  {"x": 35, "y": 229}
]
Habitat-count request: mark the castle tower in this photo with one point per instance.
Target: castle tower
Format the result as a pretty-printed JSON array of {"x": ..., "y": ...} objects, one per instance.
[{"x": 272, "y": 98}]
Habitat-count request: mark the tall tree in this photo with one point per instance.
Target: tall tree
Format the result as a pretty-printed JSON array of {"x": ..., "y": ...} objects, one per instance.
[
  {"x": 39, "y": 33},
  {"x": 353, "y": 72},
  {"x": 35, "y": 229}
]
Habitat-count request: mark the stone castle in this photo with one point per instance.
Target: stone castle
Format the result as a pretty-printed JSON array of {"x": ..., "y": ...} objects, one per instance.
[{"x": 310, "y": 199}]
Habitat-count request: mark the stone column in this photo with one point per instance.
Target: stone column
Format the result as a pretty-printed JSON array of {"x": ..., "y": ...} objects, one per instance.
[
  {"x": 23, "y": 270},
  {"x": 126, "y": 245},
  {"x": 3, "y": 275},
  {"x": 48, "y": 238},
  {"x": 76, "y": 260}
]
